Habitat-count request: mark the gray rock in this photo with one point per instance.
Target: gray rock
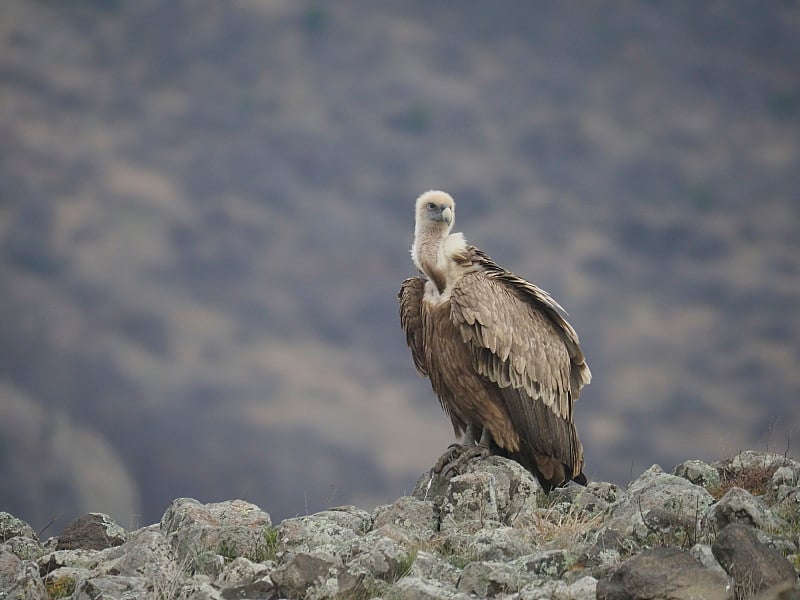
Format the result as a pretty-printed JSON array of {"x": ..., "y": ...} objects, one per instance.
[
  {"x": 379, "y": 557},
  {"x": 740, "y": 506},
  {"x": 146, "y": 554},
  {"x": 79, "y": 559},
  {"x": 470, "y": 503},
  {"x": 433, "y": 567},
  {"x": 336, "y": 587},
  {"x": 492, "y": 492},
  {"x": 788, "y": 590},
  {"x": 601, "y": 560},
  {"x": 260, "y": 587},
  {"x": 201, "y": 590},
  {"x": 491, "y": 578},
  {"x": 233, "y": 528},
  {"x": 590, "y": 503},
  {"x": 206, "y": 564},
  {"x": 543, "y": 589},
  {"x": 407, "y": 519},
  {"x": 145, "y": 562},
  {"x": 698, "y": 472},
  {"x": 25, "y": 548},
  {"x": 502, "y": 543},
  {"x": 11, "y": 526},
  {"x": 414, "y": 588},
  {"x": 551, "y": 564},
  {"x": 241, "y": 571},
  {"x": 750, "y": 459},
  {"x": 431, "y": 487},
  {"x": 19, "y": 579},
  {"x": 111, "y": 587},
  {"x": 576, "y": 498},
  {"x": 328, "y": 534},
  {"x": 316, "y": 534},
  {"x": 515, "y": 489},
  {"x": 584, "y": 588},
  {"x": 703, "y": 554},
  {"x": 678, "y": 527},
  {"x": 609, "y": 492},
  {"x": 566, "y": 494},
  {"x": 656, "y": 488},
  {"x": 786, "y": 475},
  {"x": 92, "y": 531},
  {"x": 754, "y": 566},
  {"x": 663, "y": 573},
  {"x": 785, "y": 481},
  {"x": 642, "y": 511},
  {"x": 300, "y": 572},
  {"x": 355, "y": 519}
]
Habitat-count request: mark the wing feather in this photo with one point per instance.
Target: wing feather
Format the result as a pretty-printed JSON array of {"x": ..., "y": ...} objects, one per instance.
[
  {"x": 517, "y": 332},
  {"x": 410, "y": 298},
  {"x": 498, "y": 294}
]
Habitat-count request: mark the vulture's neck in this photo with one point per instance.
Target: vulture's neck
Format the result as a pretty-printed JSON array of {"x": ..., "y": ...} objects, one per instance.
[{"x": 433, "y": 253}]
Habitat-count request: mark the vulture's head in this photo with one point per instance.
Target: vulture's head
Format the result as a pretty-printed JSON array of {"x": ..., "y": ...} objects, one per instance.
[
  {"x": 433, "y": 242},
  {"x": 435, "y": 211}
]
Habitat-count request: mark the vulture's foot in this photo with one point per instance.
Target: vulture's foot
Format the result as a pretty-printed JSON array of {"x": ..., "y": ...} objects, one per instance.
[
  {"x": 450, "y": 463},
  {"x": 451, "y": 454}
]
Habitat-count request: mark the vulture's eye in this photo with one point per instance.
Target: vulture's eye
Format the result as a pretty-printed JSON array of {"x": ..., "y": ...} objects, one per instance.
[{"x": 431, "y": 206}]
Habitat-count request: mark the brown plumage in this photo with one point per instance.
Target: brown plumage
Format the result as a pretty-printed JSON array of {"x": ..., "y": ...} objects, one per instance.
[{"x": 505, "y": 364}]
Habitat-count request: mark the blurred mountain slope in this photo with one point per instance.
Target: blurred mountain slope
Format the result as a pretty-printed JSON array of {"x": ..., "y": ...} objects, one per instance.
[{"x": 205, "y": 215}]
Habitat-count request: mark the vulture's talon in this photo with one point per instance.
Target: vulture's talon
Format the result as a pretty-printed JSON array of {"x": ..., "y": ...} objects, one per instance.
[
  {"x": 451, "y": 454},
  {"x": 455, "y": 463}
]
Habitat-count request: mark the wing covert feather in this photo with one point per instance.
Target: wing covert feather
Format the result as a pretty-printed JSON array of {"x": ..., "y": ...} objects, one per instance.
[{"x": 529, "y": 349}]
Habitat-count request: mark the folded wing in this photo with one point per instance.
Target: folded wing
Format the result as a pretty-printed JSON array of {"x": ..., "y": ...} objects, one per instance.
[{"x": 522, "y": 345}]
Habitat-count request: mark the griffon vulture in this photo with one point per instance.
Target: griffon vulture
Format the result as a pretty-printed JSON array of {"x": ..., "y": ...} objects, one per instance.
[{"x": 506, "y": 366}]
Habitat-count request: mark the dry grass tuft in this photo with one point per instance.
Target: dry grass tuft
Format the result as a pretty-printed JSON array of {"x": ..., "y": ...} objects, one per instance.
[
  {"x": 552, "y": 528},
  {"x": 755, "y": 479},
  {"x": 60, "y": 587}
]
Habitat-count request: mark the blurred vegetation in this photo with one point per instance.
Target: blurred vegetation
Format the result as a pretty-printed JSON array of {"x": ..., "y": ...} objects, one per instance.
[{"x": 205, "y": 215}]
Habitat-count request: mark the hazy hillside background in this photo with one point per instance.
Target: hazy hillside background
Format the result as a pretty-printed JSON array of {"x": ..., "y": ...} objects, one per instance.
[{"x": 206, "y": 211}]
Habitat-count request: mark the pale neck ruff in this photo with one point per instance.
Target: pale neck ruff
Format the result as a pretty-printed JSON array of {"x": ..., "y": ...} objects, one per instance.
[{"x": 433, "y": 255}]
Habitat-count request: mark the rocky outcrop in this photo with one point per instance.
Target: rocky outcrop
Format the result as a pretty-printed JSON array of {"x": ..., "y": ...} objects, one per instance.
[
  {"x": 93, "y": 531},
  {"x": 754, "y": 566},
  {"x": 664, "y": 572},
  {"x": 726, "y": 530}
]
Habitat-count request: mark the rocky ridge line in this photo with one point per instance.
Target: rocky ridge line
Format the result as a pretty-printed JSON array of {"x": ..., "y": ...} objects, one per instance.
[{"x": 722, "y": 530}]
